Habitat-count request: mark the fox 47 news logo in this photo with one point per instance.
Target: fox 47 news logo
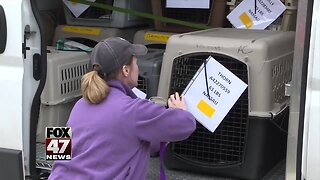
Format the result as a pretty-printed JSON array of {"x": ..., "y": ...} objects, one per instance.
[{"x": 58, "y": 143}]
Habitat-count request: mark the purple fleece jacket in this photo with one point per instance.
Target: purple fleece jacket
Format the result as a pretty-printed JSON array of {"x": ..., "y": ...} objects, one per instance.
[{"x": 112, "y": 140}]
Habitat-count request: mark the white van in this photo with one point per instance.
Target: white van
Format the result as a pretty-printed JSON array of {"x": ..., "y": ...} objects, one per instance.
[{"x": 23, "y": 75}]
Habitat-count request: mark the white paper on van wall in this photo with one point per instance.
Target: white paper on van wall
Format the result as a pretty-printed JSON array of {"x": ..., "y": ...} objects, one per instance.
[
  {"x": 224, "y": 88},
  {"x": 76, "y": 8},
  {"x": 256, "y": 14},
  {"x": 199, "y": 4}
]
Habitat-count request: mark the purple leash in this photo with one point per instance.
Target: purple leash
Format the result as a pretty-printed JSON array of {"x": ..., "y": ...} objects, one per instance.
[{"x": 162, "y": 151}]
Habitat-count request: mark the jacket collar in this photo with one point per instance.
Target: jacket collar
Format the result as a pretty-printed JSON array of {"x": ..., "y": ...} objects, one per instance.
[{"x": 122, "y": 87}]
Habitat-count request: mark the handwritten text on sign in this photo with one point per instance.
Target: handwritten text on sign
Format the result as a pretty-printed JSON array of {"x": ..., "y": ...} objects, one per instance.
[
  {"x": 210, "y": 105},
  {"x": 256, "y": 14}
]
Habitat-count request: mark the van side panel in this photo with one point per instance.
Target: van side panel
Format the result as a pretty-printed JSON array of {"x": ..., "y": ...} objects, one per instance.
[
  {"x": 11, "y": 79},
  {"x": 18, "y": 87},
  {"x": 311, "y": 141}
]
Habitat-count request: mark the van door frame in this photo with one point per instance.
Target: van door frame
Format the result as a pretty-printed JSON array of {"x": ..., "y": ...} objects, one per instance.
[
  {"x": 298, "y": 90},
  {"x": 35, "y": 107}
]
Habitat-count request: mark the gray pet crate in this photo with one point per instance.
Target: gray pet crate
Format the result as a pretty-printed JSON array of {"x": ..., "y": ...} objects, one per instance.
[
  {"x": 62, "y": 88},
  {"x": 149, "y": 71},
  {"x": 152, "y": 38},
  {"x": 252, "y": 137},
  {"x": 94, "y": 16}
]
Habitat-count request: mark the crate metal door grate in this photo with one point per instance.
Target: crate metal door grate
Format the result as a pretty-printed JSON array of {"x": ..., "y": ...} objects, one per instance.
[
  {"x": 227, "y": 144},
  {"x": 142, "y": 84}
]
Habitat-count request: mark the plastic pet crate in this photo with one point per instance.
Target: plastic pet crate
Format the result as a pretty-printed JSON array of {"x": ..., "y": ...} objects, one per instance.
[
  {"x": 90, "y": 36},
  {"x": 215, "y": 16},
  {"x": 251, "y": 139},
  {"x": 149, "y": 71},
  {"x": 289, "y": 17},
  {"x": 152, "y": 38},
  {"x": 232, "y": 4},
  {"x": 62, "y": 88},
  {"x": 64, "y": 72},
  {"x": 105, "y": 18},
  {"x": 53, "y": 116}
]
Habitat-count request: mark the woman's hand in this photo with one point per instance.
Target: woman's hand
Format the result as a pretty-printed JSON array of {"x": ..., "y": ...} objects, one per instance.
[{"x": 176, "y": 102}]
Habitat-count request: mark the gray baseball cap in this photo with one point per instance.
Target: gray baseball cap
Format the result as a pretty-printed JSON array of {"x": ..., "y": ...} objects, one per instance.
[{"x": 112, "y": 53}]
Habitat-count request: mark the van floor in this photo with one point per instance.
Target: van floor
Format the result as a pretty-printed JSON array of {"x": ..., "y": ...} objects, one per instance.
[{"x": 277, "y": 173}]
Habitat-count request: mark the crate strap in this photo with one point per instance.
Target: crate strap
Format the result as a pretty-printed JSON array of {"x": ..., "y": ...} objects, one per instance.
[{"x": 206, "y": 76}]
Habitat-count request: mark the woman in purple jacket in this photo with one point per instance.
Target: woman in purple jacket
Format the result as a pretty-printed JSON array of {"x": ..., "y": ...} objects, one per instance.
[{"x": 113, "y": 130}]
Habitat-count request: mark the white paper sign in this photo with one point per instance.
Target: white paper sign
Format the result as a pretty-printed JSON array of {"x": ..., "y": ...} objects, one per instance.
[
  {"x": 199, "y": 4},
  {"x": 140, "y": 94},
  {"x": 76, "y": 8},
  {"x": 224, "y": 87},
  {"x": 256, "y": 14}
]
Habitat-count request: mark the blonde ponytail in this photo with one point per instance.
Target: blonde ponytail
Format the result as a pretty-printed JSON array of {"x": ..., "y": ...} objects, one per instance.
[{"x": 94, "y": 88}]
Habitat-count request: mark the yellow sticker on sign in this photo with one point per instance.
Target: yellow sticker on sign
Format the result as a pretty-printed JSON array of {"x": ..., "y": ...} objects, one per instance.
[
  {"x": 206, "y": 108},
  {"x": 245, "y": 19},
  {"x": 156, "y": 37},
  {"x": 82, "y": 30}
]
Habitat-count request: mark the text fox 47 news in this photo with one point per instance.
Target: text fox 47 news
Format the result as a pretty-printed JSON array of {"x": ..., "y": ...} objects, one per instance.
[{"x": 58, "y": 143}]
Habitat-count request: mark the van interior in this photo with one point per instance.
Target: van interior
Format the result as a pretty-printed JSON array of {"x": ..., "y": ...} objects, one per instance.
[{"x": 245, "y": 145}]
